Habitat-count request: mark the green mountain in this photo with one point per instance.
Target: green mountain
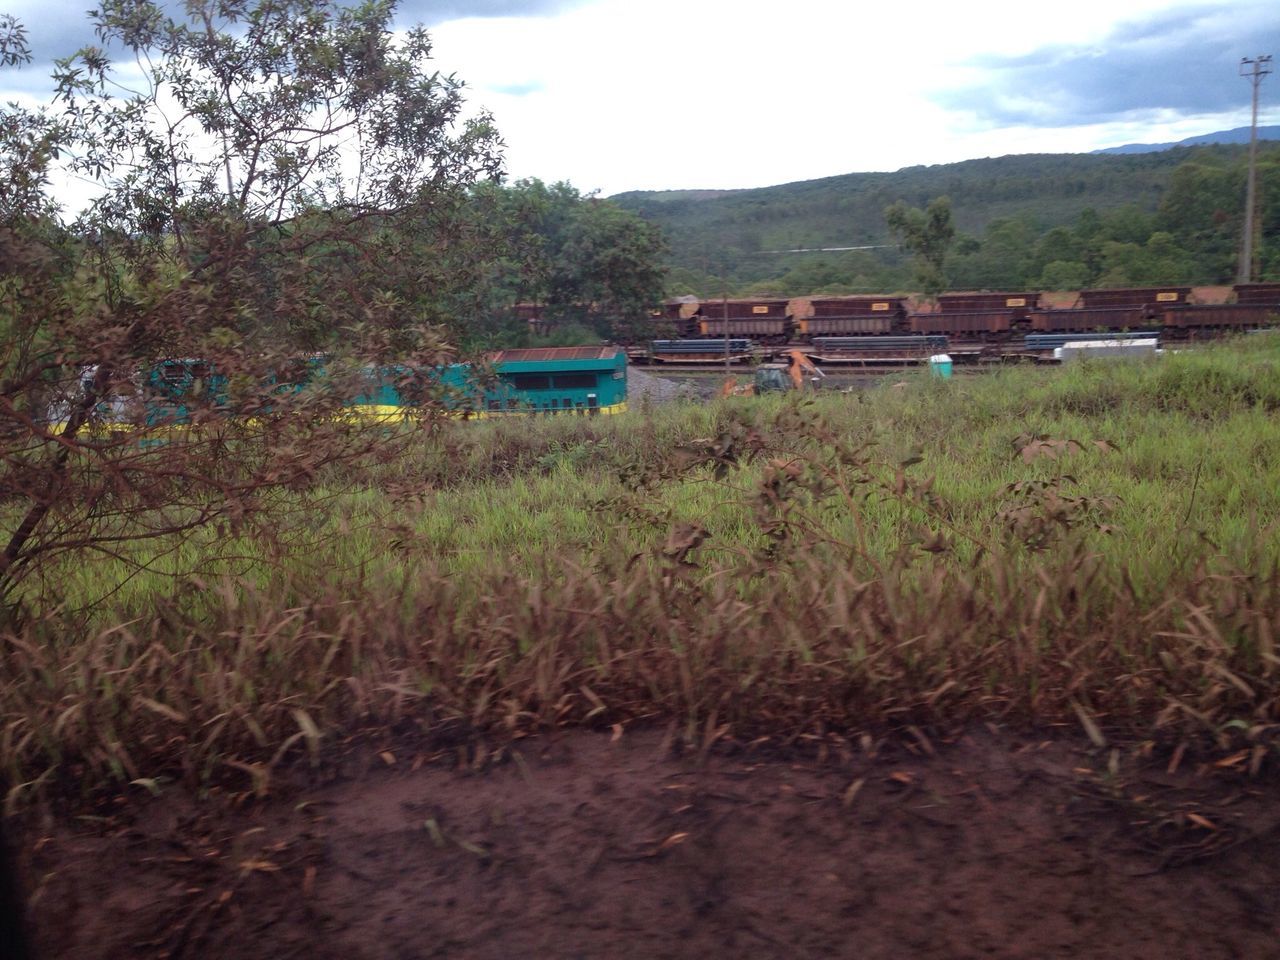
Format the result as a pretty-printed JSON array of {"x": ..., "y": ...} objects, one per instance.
[{"x": 730, "y": 238}]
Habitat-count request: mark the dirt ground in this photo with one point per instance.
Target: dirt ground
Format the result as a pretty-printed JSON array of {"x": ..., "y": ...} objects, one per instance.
[{"x": 589, "y": 846}]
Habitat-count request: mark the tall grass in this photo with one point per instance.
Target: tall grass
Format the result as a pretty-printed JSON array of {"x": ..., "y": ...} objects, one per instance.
[{"x": 1091, "y": 545}]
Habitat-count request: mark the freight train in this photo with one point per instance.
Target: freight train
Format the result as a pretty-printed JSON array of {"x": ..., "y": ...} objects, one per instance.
[
  {"x": 893, "y": 328},
  {"x": 980, "y": 317}
]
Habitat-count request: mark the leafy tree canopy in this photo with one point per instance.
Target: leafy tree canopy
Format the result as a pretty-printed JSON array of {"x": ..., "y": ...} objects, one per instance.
[
  {"x": 927, "y": 234},
  {"x": 279, "y": 176},
  {"x": 581, "y": 260}
]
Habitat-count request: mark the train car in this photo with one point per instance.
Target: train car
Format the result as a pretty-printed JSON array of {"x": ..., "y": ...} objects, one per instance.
[
  {"x": 988, "y": 318},
  {"x": 673, "y": 319},
  {"x": 669, "y": 312},
  {"x": 976, "y": 324},
  {"x": 1218, "y": 317},
  {"x": 182, "y": 392},
  {"x": 700, "y": 351},
  {"x": 173, "y": 390},
  {"x": 1104, "y": 310},
  {"x": 580, "y": 380},
  {"x": 877, "y": 349},
  {"x": 1089, "y": 319},
  {"x": 849, "y": 316},
  {"x": 1151, "y": 298},
  {"x": 766, "y": 320},
  {"x": 982, "y": 315},
  {"x": 1267, "y": 294},
  {"x": 1017, "y": 305}
]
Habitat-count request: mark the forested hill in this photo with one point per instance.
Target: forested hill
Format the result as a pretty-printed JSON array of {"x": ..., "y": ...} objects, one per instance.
[
  {"x": 848, "y": 210},
  {"x": 732, "y": 231}
]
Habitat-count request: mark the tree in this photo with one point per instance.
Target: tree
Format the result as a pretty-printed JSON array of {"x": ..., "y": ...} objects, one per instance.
[
  {"x": 1159, "y": 261},
  {"x": 27, "y": 140},
  {"x": 584, "y": 260},
  {"x": 1203, "y": 210},
  {"x": 276, "y": 146},
  {"x": 1063, "y": 275},
  {"x": 927, "y": 234},
  {"x": 257, "y": 193},
  {"x": 611, "y": 259}
]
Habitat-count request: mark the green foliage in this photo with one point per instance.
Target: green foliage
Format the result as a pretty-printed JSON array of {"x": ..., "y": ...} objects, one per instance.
[
  {"x": 1063, "y": 275},
  {"x": 926, "y": 234},
  {"x": 285, "y": 176},
  {"x": 1158, "y": 261},
  {"x": 582, "y": 260},
  {"x": 1007, "y": 250},
  {"x": 1022, "y": 212},
  {"x": 291, "y": 169},
  {"x": 28, "y": 146}
]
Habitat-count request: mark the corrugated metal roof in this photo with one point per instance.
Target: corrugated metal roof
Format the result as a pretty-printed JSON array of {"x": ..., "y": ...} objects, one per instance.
[{"x": 531, "y": 354}]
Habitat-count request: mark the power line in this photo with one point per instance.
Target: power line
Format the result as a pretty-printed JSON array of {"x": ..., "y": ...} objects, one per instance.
[{"x": 874, "y": 246}]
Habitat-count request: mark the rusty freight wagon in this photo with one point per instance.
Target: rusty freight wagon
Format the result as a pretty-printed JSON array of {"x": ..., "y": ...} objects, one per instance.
[
  {"x": 976, "y": 314},
  {"x": 1153, "y": 298},
  {"x": 845, "y": 316},
  {"x": 1267, "y": 294},
  {"x": 1016, "y": 305},
  {"x": 1256, "y": 305},
  {"x": 666, "y": 321},
  {"x": 1218, "y": 317},
  {"x": 1090, "y": 319},
  {"x": 1103, "y": 310},
  {"x": 765, "y": 320},
  {"x": 677, "y": 317}
]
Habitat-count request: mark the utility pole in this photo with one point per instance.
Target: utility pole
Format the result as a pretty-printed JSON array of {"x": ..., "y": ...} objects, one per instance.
[
  {"x": 1253, "y": 70},
  {"x": 724, "y": 287},
  {"x": 725, "y": 318}
]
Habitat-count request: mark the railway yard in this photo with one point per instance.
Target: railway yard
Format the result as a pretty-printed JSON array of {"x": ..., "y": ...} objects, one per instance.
[{"x": 972, "y": 328}]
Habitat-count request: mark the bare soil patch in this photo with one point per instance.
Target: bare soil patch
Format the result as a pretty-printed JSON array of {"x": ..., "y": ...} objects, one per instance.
[{"x": 586, "y": 846}]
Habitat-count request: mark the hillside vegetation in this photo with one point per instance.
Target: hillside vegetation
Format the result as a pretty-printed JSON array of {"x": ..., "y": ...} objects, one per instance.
[{"x": 1175, "y": 216}]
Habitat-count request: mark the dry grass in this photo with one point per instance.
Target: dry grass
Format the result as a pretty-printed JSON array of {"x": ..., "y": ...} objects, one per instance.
[{"x": 742, "y": 571}]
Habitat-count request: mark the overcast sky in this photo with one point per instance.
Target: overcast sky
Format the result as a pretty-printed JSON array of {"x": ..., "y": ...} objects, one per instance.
[{"x": 616, "y": 95}]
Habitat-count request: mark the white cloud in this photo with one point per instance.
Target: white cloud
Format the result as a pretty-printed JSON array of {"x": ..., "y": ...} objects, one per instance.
[
  {"x": 711, "y": 94},
  {"x": 617, "y": 95}
]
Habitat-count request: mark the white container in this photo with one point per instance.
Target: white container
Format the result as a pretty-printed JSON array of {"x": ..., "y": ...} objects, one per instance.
[{"x": 1145, "y": 347}]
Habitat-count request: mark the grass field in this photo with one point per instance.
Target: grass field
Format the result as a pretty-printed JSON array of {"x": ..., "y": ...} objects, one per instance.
[{"x": 1093, "y": 546}]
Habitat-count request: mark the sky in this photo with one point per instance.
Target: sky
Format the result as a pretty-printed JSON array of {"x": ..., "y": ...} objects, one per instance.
[{"x": 619, "y": 95}]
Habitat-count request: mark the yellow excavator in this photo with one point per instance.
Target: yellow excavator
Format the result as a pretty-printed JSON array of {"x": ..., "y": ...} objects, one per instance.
[{"x": 798, "y": 372}]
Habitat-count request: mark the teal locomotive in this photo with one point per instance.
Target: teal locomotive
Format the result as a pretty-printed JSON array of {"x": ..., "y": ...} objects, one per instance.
[{"x": 548, "y": 380}]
